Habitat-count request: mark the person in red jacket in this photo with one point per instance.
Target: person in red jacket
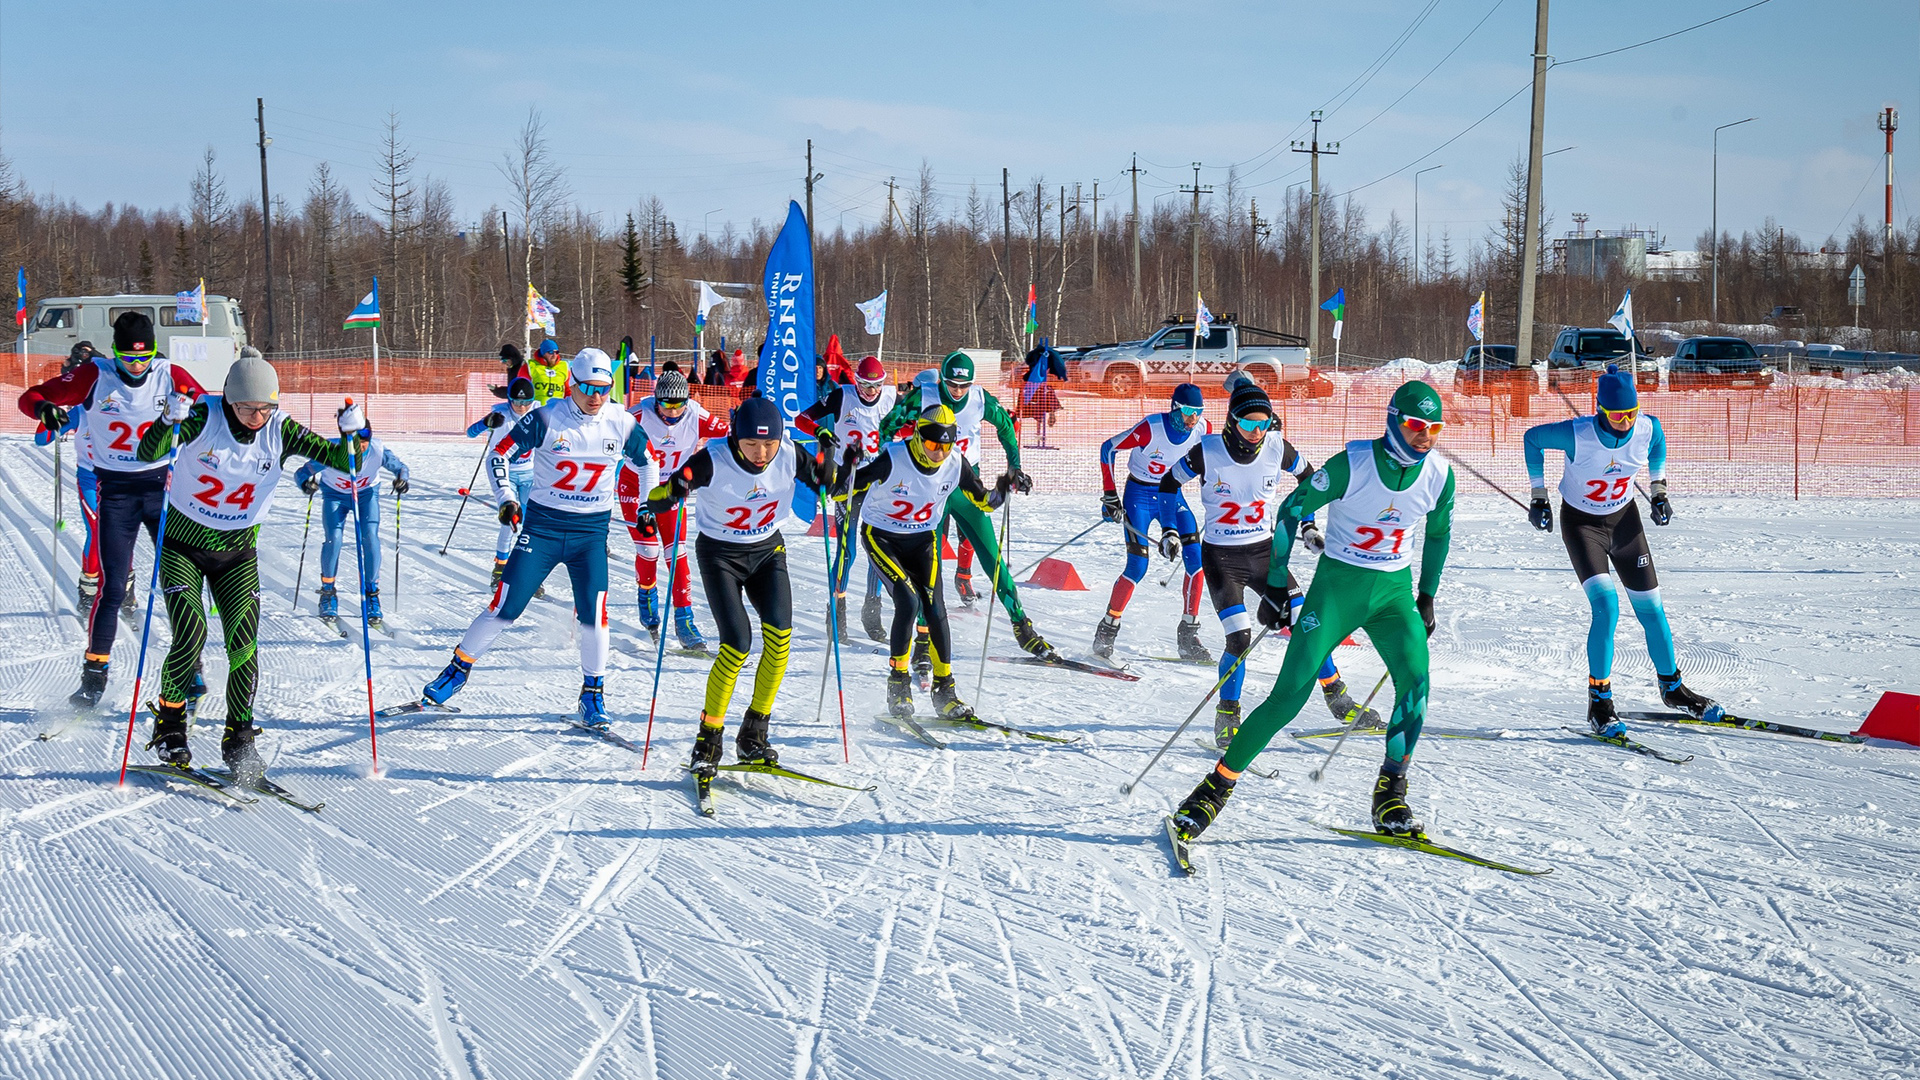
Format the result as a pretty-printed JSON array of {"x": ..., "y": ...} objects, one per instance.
[{"x": 123, "y": 397}]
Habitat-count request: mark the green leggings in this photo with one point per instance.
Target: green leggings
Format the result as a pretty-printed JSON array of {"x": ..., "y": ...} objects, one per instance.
[
  {"x": 1343, "y": 599},
  {"x": 234, "y": 578},
  {"x": 977, "y": 527}
]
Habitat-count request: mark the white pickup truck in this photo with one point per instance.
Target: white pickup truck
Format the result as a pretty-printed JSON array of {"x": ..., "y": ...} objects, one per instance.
[{"x": 1169, "y": 358}]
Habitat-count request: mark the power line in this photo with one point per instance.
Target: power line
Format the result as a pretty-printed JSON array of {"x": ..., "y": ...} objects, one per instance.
[
  {"x": 1662, "y": 37},
  {"x": 1476, "y": 29},
  {"x": 1386, "y": 57}
]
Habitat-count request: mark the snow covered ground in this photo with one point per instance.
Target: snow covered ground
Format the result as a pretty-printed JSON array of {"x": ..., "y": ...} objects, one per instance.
[{"x": 513, "y": 900}]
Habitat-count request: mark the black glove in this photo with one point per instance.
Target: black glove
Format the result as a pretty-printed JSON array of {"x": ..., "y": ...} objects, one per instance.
[
  {"x": 643, "y": 521},
  {"x": 1110, "y": 508},
  {"x": 1022, "y": 483},
  {"x": 828, "y": 441},
  {"x": 400, "y": 485},
  {"x": 52, "y": 417},
  {"x": 1541, "y": 514},
  {"x": 1311, "y": 538},
  {"x": 510, "y": 513},
  {"x": 1275, "y": 616},
  {"x": 496, "y": 419},
  {"x": 1662, "y": 509},
  {"x": 1425, "y": 604},
  {"x": 1170, "y": 545},
  {"x": 311, "y": 485}
]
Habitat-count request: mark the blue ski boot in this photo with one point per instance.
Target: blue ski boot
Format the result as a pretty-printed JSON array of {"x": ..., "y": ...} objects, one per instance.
[
  {"x": 688, "y": 633},
  {"x": 449, "y": 681},
  {"x": 593, "y": 706},
  {"x": 370, "y": 605},
  {"x": 329, "y": 602},
  {"x": 1600, "y": 715},
  {"x": 650, "y": 611}
]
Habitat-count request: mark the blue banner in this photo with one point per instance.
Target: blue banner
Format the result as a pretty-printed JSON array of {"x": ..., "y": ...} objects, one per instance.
[{"x": 786, "y": 359}]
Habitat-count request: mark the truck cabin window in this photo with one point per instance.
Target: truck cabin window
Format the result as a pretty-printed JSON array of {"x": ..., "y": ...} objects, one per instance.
[{"x": 56, "y": 318}]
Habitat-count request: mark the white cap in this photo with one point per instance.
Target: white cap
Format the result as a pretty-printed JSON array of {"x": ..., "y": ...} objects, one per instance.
[
  {"x": 591, "y": 366},
  {"x": 352, "y": 418}
]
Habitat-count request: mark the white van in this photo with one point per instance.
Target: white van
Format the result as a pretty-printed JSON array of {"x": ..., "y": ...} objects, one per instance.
[{"x": 59, "y": 323}]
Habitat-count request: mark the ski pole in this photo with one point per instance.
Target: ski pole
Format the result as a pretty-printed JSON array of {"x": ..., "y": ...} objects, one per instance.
[
  {"x": 1006, "y": 521},
  {"x": 1058, "y": 547},
  {"x": 660, "y": 655},
  {"x": 1480, "y": 476},
  {"x": 53, "y": 549},
  {"x": 366, "y": 632},
  {"x": 465, "y": 494},
  {"x": 301, "y": 575},
  {"x": 1353, "y": 721},
  {"x": 153, "y": 587},
  {"x": 833, "y": 635},
  {"x": 1127, "y": 788},
  {"x": 395, "y": 602},
  {"x": 833, "y": 581}
]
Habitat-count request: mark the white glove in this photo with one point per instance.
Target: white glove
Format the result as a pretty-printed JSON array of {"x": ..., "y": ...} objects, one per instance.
[
  {"x": 178, "y": 406},
  {"x": 352, "y": 419},
  {"x": 1311, "y": 539}
]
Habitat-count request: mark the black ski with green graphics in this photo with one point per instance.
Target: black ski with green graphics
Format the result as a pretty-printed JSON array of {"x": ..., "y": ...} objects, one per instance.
[
  {"x": 1625, "y": 743},
  {"x": 1742, "y": 723},
  {"x": 187, "y": 774},
  {"x": 1419, "y": 842}
]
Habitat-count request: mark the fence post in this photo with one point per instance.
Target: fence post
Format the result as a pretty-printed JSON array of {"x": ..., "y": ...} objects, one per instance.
[{"x": 1796, "y": 442}]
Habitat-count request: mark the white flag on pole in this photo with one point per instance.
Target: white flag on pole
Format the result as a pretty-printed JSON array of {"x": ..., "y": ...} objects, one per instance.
[
  {"x": 1623, "y": 315},
  {"x": 875, "y": 312}
]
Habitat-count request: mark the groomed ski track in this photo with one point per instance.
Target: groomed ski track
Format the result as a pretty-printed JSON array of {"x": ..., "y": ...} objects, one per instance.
[{"x": 514, "y": 899}]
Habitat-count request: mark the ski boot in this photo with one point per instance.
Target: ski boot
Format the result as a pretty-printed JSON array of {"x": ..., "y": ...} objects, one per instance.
[
  {"x": 687, "y": 633},
  {"x": 706, "y": 749},
  {"x": 370, "y": 606},
  {"x": 499, "y": 572},
  {"x": 130, "y": 606},
  {"x": 1190, "y": 647},
  {"x": 923, "y": 660},
  {"x": 963, "y": 584},
  {"x": 169, "y": 741},
  {"x": 1391, "y": 814},
  {"x": 592, "y": 710},
  {"x": 899, "y": 692},
  {"x": 1104, "y": 635},
  {"x": 1226, "y": 723},
  {"x": 1343, "y": 707},
  {"x": 1202, "y": 806},
  {"x": 750, "y": 742},
  {"x": 89, "y": 588},
  {"x": 1025, "y": 636},
  {"x": 93, "y": 683},
  {"x": 329, "y": 603},
  {"x": 1600, "y": 715},
  {"x": 946, "y": 700},
  {"x": 870, "y": 619},
  {"x": 1676, "y": 695},
  {"x": 449, "y": 681},
  {"x": 840, "y": 617},
  {"x": 242, "y": 759},
  {"x": 196, "y": 689},
  {"x": 650, "y": 610}
]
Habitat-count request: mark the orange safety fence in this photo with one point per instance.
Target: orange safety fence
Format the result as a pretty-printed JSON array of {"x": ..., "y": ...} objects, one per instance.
[{"x": 1784, "y": 441}]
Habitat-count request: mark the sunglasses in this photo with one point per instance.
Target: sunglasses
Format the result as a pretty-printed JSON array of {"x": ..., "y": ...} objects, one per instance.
[
  {"x": 594, "y": 389},
  {"x": 137, "y": 357},
  {"x": 1618, "y": 417},
  {"x": 1417, "y": 425},
  {"x": 959, "y": 388},
  {"x": 253, "y": 410},
  {"x": 1189, "y": 411},
  {"x": 1251, "y": 426},
  {"x": 932, "y": 445}
]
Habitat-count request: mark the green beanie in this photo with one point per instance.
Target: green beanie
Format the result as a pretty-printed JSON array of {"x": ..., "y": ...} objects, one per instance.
[
  {"x": 957, "y": 367},
  {"x": 1416, "y": 399}
]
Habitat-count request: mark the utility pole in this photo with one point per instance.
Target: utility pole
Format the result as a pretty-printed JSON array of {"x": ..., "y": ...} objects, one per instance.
[
  {"x": 1135, "y": 225},
  {"x": 1254, "y": 228},
  {"x": 1196, "y": 190},
  {"x": 1006, "y": 245},
  {"x": 266, "y": 206},
  {"x": 1889, "y": 121},
  {"x": 1096, "y": 236},
  {"x": 1313, "y": 244},
  {"x": 886, "y": 235},
  {"x": 1530, "y": 227},
  {"x": 812, "y": 178}
]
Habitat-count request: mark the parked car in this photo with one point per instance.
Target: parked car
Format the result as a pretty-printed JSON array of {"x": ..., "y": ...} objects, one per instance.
[
  {"x": 1169, "y": 358},
  {"x": 1500, "y": 361},
  {"x": 58, "y": 323},
  {"x": 1717, "y": 362},
  {"x": 1594, "y": 347}
]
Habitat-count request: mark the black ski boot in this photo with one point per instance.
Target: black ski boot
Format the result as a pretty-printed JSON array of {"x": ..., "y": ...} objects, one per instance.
[
  {"x": 1104, "y": 636},
  {"x": 706, "y": 749},
  {"x": 1342, "y": 705},
  {"x": 750, "y": 742},
  {"x": 1202, "y": 806},
  {"x": 1600, "y": 714},
  {"x": 946, "y": 700},
  {"x": 963, "y": 584},
  {"x": 1025, "y": 636},
  {"x": 1190, "y": 647},
  {"x": 243, "y": 760},
  {"x": 899, "y": 692},
  {"x": 89, "y": 588},
  {"x": 1676, "y": 695},
  {"x": 1226, "y": 723},
  {"x": 840, "y": 618},
  {"x": 870, "y": 619},
  {"x": 922, "y": 660},
  {"x": 1391, "y": 814},
  {"x": 169, "y": 742},
  {"x": 93, "y": 683}
]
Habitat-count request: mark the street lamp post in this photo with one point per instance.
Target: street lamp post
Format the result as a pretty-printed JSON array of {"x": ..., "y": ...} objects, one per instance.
[
  {"x": 1416, "y": 220},
  {"x": 1714, "y": 241}
]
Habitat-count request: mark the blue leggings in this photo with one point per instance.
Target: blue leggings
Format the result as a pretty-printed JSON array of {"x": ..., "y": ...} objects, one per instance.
[
  {"x": 1606, "y": 617},
  {"x": 334, "y": 510},
  {"x": 1146, "y": 504}
]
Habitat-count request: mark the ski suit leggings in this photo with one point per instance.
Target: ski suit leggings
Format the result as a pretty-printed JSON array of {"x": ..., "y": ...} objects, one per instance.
[
  {"x": 1232, "y": 569},
  {"x": 335, "y": 508},
  {"x": 1592, "y": 542},
  {"x": 1143, "y": 505},
  {"x": 522, "y": 483},
  {"x": 755, "y": 573},
  {"x": 976, "y": 526},
  {"x": 647, "y": 545},
  {"x": 234, "y": 579},
  {"x": 1343, "y": 599},
  {"x": 89, "y": 489},
  {"x": 127, "y": 501},
  {"x": 910, "y": 565},
  {"x": 548, "y": 538}
]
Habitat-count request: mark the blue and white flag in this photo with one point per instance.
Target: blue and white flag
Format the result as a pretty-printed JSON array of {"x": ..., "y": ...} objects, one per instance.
[
  {"x": 708, "y": 301},
  {"x": 1477, "y": 318},
  {"x": 786, "y": 358},
  {"x": 191, "y": 306},
  {"x": 366, "y": 314},
  {"x": 1623, "y": 315},
  {"x": 875, "y": 312},
  {"x": 1202, "y": 320}
]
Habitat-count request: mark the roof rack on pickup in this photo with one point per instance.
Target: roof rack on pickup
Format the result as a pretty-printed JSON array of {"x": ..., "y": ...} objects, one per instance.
[{"x": 1233, "y": 318}]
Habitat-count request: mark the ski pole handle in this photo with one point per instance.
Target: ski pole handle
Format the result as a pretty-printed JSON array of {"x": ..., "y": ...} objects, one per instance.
[
  {"x": 1127, "y": 788},
  {"x": 1353, "y": 721}
]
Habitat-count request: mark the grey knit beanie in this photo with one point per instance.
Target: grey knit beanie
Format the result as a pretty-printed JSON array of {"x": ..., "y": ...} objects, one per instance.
[{"x": 252, "y": 379}]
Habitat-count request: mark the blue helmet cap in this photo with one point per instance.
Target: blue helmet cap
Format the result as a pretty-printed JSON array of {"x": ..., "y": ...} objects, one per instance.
[
  {"x": 1615, "y": 390},
  {"x": 547, "y": 348},
  {"x": 758, "y": 418},
  {"x": 1188, "y": 395}
]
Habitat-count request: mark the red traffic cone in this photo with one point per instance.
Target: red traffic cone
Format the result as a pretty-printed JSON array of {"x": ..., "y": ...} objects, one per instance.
[
  {"x": 947, "y": 554},
  {"x": 1056, "y": 574},
  {"x": 815, "y": 528},
  {"x": 1895, "y": 716}
]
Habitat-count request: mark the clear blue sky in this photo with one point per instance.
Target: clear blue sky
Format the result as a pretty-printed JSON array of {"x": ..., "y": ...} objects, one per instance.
[{"x": 709, "y": 106}]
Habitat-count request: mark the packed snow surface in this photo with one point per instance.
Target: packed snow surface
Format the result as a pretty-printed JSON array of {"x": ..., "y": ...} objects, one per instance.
[{"x": 513, "y": 899}]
